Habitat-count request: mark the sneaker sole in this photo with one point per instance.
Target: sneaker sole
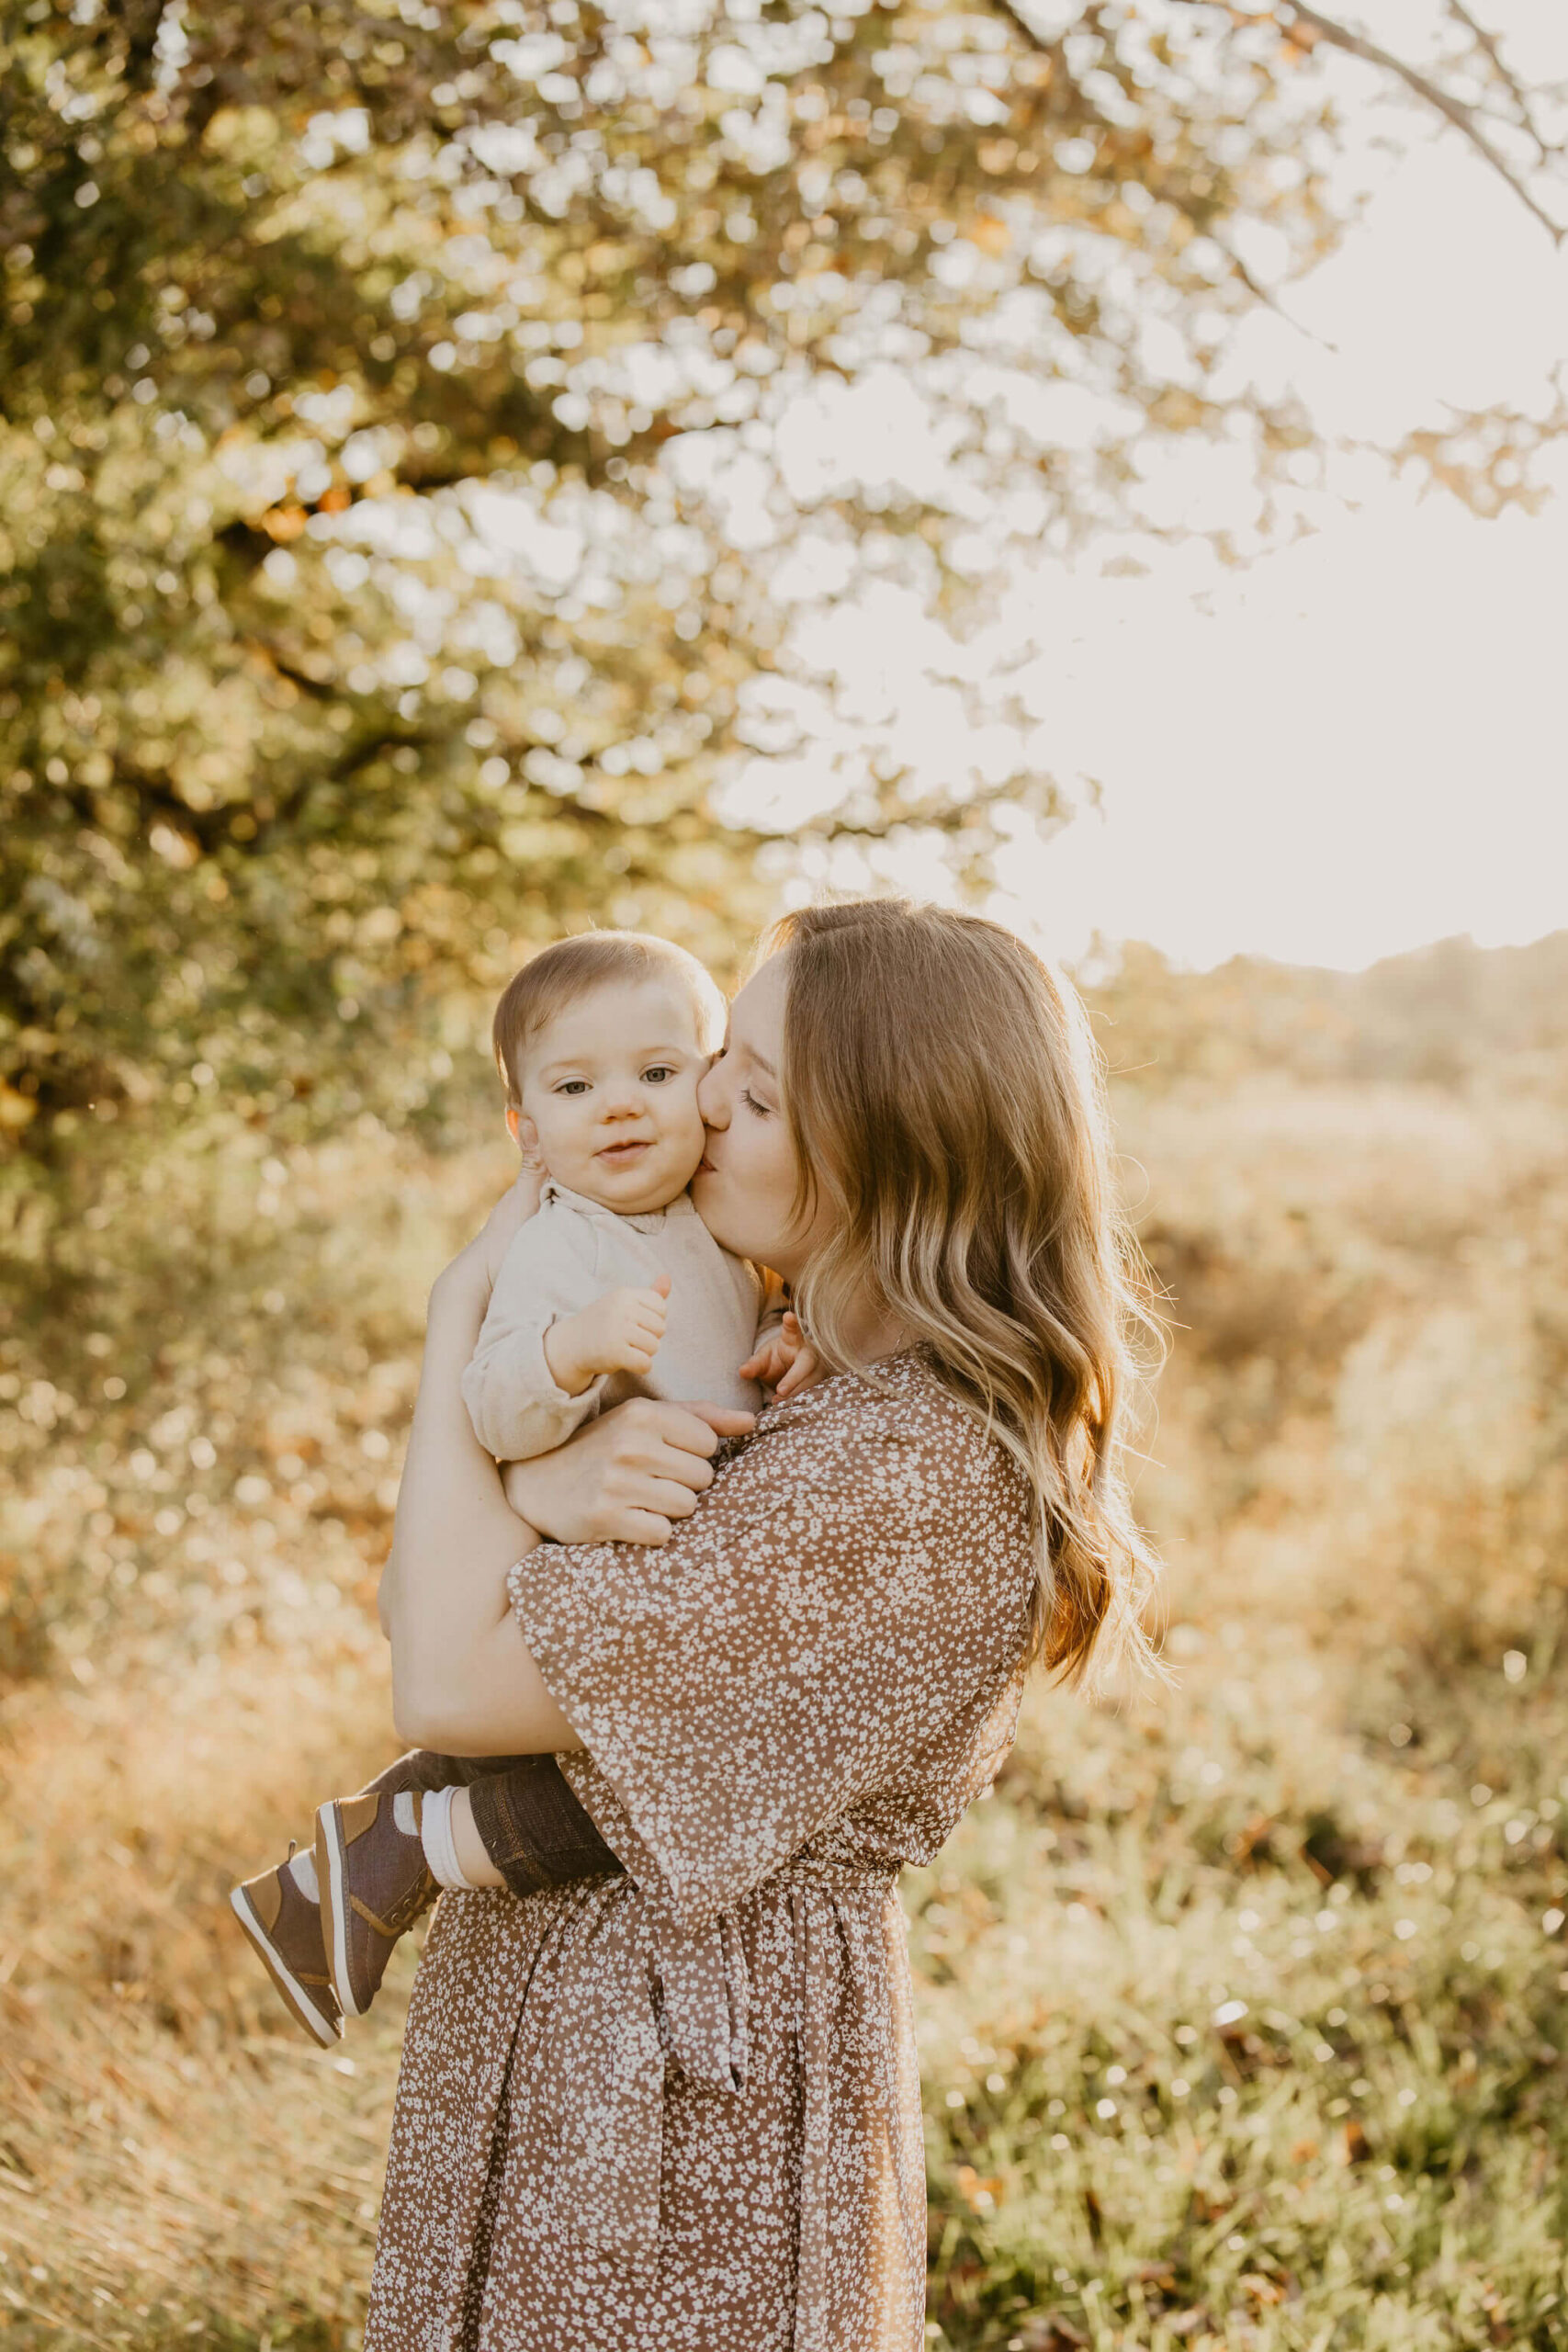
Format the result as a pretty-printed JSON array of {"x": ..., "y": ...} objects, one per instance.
[
  {"x": 329, "y": 1875},
  {"x": 303, "y": 2009}
]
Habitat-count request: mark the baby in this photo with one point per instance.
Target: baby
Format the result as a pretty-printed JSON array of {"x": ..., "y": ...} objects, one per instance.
[{"x": 615, "y": 1288}]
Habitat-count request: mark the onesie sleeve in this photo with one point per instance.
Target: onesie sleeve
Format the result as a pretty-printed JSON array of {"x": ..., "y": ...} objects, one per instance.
[
  {"x": 771, "y": 1300},
  {"x": 517, "y": 1409}
]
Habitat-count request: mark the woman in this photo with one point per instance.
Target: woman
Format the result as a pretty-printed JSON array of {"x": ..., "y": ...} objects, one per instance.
[{"x": 678, "y": 2107}]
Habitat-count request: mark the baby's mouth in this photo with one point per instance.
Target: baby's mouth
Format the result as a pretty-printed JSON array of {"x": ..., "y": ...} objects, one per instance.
[{"x": 624, "y": 1150}]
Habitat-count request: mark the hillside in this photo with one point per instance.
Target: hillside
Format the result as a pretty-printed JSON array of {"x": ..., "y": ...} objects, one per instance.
[{"x": 1447, "y": 1014}]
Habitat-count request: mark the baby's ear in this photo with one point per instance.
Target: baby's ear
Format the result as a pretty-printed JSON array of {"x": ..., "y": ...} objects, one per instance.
[{"x": 523, "y": 1133}]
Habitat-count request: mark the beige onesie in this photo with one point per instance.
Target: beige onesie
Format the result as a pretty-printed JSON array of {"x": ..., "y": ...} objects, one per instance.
[{"x": 561, "y": 1261}]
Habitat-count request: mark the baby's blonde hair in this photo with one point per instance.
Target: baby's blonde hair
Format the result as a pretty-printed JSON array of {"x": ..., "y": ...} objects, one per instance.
[
  {"x": 945, "y": 1097},
  {"x": 572, "y": 969}
]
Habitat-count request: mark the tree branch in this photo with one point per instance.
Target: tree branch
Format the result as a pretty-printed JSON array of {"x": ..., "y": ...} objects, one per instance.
[
  {"x": 1490, "y": 44},
  {"x": 1317, "y": 27},
  {"x": 1354, "y": 44},
  {"x": 1238, "y": 267}
]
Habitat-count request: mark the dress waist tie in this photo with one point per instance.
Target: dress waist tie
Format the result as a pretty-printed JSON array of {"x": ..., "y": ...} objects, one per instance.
[{"x": 607, "y": 2059}]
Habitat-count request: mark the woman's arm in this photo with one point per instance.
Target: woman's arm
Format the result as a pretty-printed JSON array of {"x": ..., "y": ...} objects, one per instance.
[
  {"x": 457, "y": 1660},
  {"x": 850, "y": 1583},
  {"x": 463, "y": 1681}
]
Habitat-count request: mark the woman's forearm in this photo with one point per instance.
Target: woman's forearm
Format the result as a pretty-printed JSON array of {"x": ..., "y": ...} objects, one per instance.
[{"x": 462, "y": 1677}]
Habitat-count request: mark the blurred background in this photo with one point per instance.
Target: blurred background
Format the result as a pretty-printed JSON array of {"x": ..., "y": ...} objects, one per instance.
[{"x": 470, "y": 472}]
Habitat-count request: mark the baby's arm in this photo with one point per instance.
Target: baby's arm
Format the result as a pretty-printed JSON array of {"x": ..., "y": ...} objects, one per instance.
[
  {"x": 619, "y": 1332},
  {"x": 516, "y": 1402}
]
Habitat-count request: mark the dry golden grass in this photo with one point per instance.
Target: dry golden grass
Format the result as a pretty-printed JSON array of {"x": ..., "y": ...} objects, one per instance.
[{"x": 1242, "y": 2005}]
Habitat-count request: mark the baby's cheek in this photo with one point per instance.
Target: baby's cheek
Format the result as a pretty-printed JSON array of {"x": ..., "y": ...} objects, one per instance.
[{"x": 687, "y": 1123}]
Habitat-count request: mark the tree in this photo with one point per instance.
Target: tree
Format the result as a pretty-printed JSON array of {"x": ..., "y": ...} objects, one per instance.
[{"x": 397, "y": 465}]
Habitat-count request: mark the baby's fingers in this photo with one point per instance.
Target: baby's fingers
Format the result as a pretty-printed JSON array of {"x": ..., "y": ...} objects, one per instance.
[{"x": 801, "y": 1374}]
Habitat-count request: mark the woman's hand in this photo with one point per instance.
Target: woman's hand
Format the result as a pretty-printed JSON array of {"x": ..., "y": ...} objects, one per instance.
[
  {"x": 516, "y": 1206},
  {"x": 625, "y": 1477},
  {"x": 480, "y": 1263}
]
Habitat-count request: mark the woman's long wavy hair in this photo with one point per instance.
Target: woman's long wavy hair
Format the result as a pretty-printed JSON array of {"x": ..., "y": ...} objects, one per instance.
[{"x": 946, "y": 1100}]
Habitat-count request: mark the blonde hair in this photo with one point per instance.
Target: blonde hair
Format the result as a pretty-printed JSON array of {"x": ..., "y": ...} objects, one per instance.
[
  {"x": 946, "y": 1098},
  {"x": 573, "y": 968}
]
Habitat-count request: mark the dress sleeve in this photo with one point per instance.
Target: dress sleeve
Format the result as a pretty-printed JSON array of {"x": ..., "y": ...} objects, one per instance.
[
  {"x": 514, "y": 1402},
  {"x": 854, "y": 1575}
]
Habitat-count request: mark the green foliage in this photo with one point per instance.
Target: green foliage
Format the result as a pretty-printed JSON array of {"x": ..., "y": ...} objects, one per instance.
[
  {"x": 390, "y": 480},
  {"x": 426, "y": 431}
]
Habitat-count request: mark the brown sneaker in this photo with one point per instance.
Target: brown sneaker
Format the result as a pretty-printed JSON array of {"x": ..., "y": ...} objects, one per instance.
[
  {"x": 286, "y": 1929},
  {"x": 375, "y": 1883}
]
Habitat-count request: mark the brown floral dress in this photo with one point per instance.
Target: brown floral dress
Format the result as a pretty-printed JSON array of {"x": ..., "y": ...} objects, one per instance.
[{"x": 678, "y": 2110}]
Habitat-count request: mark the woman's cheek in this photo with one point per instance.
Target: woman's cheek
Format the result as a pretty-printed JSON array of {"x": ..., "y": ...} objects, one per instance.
[{"x": 780, "y": 1167}]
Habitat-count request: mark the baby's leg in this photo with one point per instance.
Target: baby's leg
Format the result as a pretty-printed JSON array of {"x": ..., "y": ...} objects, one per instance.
[
  {"x": 383, "y": 1887},
  {"x": 528, "y": 1820},
  {"x": 422, "y": 1769},
  {"x": 383, "y": 1855},
  {"x": 525, "y": 1814},
  {"x": 532, "y": 1825},
  {"x": 372, "y": 1865}
]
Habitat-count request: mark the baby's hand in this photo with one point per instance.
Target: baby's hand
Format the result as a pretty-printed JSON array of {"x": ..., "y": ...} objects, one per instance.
[
  {"x": 784, "y": 1363},
  {"x": 620, "y": 1332}
]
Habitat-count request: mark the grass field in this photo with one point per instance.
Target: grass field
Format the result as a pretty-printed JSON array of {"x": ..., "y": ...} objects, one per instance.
[{"x": 1242, "y": 2005}]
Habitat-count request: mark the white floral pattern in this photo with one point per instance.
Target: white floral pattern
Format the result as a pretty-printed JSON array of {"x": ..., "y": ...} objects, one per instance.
[{"x": 679, "y": 2111}]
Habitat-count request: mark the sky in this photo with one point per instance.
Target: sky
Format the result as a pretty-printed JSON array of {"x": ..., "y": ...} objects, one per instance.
[
  {"x": 1357, "y": 744},
  {"x": 1359, "y": 747}
]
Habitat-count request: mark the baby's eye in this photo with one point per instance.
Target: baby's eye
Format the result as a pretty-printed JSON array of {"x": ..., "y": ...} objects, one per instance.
[
  {"x": 572, "y": 1086},
  {"x": 657, "y": 1073}
]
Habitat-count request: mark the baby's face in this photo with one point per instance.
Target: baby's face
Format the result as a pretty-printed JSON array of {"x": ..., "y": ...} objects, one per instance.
[{"x": 609, "y": 1093}]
